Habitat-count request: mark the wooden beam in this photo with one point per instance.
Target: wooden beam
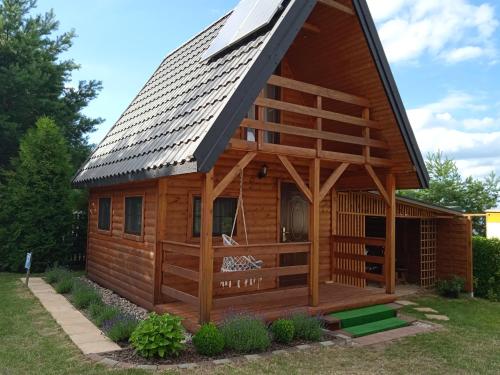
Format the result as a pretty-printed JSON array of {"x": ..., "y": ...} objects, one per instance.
[
  {"x": 261, "y": 116},
  {"x": 205, "y": 284},
  {"x": 233, "y": 173},
  {"x": 325, "y": 189},
  {"x": 179, "y": 295},
  {"x": 366, "y": 136},
  {"x": 319, "y": 125},
  {"x": 313, "y": 133},
  {"x": 378, "y": 183},
  {"x": 314, "y": 112},
  {"x": 314, "y": 225},
  {"x": 390, "y": 236},
  {"x": 336, "y": 5},
  {"x": 309, "y": 88},
  {"x": 181, "y": 272},
  {"x": 270, "y": 272},
  {"x": 260, "y": 297},
  {"x": 312, "y": 28},
  {"x": 296, "y": 177},
  {"x": 161, "y": 234}
]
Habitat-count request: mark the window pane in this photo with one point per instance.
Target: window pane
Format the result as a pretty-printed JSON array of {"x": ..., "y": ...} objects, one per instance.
[
  {"x": 104, "y": 218},
  {"x": 223, "y": 216},
  {"x": 133, "y": 215}
]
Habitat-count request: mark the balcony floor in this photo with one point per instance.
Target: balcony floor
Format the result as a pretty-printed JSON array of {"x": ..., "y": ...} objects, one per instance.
[{"x": 333, "y": 297}]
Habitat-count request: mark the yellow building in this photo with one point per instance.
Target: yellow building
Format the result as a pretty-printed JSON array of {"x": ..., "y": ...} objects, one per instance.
[{"x": 493, "y": 223}]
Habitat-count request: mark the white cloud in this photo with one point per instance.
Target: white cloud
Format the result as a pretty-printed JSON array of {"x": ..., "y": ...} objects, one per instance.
[
  {"x": 472, "y": 141},
  {"x": 451, "y": 30}
]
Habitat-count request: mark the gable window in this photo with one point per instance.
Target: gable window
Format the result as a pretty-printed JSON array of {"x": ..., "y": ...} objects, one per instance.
[
  {"x": 104, "y": 217},
  {"x": 133, "y": 215},
  {"x": 223, "y": 217}
]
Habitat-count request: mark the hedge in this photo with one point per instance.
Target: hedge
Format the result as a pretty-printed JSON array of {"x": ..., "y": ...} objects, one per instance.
[{"x": 487, "y": 267}]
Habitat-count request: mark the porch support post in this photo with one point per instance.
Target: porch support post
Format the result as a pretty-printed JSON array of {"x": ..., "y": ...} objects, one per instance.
[
  {"x": 161, "y": 234},
  {"x": 314, "y": 186},
  {"x": 205, "y": 282},
  {"x": 390, "y": 236}
]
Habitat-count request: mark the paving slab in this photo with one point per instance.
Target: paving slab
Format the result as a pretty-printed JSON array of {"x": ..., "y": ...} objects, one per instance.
[
  {"x": 437, "y": 317},
  {"x": 425, "y": 309},
  {"x": 86, "y": 336},
  {"x": 406, "y": 303},
  {"x": 394, "y": 334},
  {"x": 253, "y": 357},
  {"x": 224, "y": 361}
]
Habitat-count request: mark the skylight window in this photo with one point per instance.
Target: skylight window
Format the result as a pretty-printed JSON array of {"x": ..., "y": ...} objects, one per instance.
[{"x": 248, "y": 17}]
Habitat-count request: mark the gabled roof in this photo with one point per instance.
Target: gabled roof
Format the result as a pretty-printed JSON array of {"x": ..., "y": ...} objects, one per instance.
[{"x": 183, "y": 118}]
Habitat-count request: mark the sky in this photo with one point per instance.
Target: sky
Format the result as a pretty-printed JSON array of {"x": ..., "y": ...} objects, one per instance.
[{"x": 445, "y": 56}]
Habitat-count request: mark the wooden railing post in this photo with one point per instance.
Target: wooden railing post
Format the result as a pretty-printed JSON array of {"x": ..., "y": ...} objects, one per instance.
[
  {"x": 314, "y": 186},
  {"x": 205, "y": 283},
  {"x": 390, "y": 236}
]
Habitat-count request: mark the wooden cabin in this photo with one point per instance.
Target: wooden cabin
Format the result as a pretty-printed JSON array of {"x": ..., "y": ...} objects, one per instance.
[{"x": 291, "y": 123}]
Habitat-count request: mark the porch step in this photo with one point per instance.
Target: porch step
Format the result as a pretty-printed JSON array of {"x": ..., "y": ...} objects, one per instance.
[
  {"x": 375, "y": 327},
  {"x": 364, "y": 315}
]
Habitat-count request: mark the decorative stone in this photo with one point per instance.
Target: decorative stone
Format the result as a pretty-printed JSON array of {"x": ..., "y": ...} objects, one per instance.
[
  {"x": 224, "y": 361},
  {"x": 95, "y": 357},
  {"x": 403, "y": 302},
  {"x": 327, "y": 343},
  {"x": 437, "y": 317},
  {"x": 303, "y": 347},
  {"x": 147, "y": 367},
  {"x": 124, "y": 365},
  {"x": 187, "y": 366},
  {"x": 252, "y": 357},
  {"x": 279, "y": 352},
  {"x": 108, "y": 362},
  {"x": 425, "y": 309},
  {"x": 343, "y": 337}
]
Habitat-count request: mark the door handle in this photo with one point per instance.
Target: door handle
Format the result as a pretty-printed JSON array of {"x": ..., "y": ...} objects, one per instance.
[{"x": 283, "y": 234}]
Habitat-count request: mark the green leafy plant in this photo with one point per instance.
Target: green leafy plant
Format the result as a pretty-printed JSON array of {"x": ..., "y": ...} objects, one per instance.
[
  {"x": 100, "y": 312},
  {"x": 55, "y": 274},
  {"x": 283, "y": 331},
  {"x": 209, "y": 340},
  {"x": 245, "y": 334},
  {"x": 65, "y": 285},
  {"x": 450, "y": 288},
  {"x": 120, "y": 327},
  {"x": 306, "y": 327},
  {"x": 83, "y": 295},
  {"x": 486, "y": 265},
  {"x": 158, "y": 336}
]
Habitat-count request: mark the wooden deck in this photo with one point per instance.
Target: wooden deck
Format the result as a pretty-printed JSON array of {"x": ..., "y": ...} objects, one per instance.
[{"x": 333, "y": 297}]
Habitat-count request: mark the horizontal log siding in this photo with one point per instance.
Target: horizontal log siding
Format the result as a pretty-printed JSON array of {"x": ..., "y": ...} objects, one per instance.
[{"x": 121, "y": 264}]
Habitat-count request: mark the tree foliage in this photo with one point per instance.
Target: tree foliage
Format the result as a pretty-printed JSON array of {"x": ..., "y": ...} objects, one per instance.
[
  {"x": 37, "y": 201},
  {"x": 449, "y": 189},
  {"x": 34, "y": 81}
]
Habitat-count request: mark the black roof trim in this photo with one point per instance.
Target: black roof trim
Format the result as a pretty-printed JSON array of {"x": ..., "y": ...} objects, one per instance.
[
  {"x": 392, "y": 92},
  {"x": 285, "y": 30}
]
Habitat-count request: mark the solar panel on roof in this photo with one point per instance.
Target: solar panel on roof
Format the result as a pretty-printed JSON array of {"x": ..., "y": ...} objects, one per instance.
[{"x": 248, "y": 17}]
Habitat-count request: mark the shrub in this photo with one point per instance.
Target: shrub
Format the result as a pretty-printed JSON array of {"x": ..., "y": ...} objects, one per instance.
[
  {"x": 209, "y": 340},
  {"x": 65, "y": 285},
  {"x": 83, "y": 295},
  {"x": 158, "y": 336},
  {"x": 55, "y": 274},
  {"x": 283, "y": 331},
  {"x": 245, "y": 334},
  {"x": 100, "y": 312},
  {"x": 306, "y": 327},
  {"x": 486, "y": 267},
  {"x": 450, "y": 288},
  {"x": 120, "y": 327}
]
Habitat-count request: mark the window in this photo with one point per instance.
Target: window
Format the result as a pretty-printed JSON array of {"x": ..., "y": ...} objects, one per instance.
[
  {"x": 104, "y": 218},
  {"x": 133, "y": 215},
  {"x": 224, "y": 211}
]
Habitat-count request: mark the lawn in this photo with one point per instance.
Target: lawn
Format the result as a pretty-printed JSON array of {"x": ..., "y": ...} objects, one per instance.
[{"x": 32, "y": 343}]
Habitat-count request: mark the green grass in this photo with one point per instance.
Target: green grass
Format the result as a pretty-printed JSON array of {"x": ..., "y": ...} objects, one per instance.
[{"x": 32, "y": 343}]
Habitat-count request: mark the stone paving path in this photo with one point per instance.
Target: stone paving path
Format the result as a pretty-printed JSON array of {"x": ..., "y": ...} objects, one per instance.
[
  {"x": 86, "y": 336},
  {"x": 393, "y": 334}
]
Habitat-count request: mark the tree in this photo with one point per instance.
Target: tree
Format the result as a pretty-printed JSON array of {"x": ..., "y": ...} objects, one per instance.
[
  {"x": 34, "y": 81},
  {"x": 38, "y": 201},
  {"x": 447, "y": 188}
]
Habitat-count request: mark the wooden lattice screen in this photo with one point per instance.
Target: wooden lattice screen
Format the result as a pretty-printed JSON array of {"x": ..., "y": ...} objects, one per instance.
[{"x": 428, "y": 245}]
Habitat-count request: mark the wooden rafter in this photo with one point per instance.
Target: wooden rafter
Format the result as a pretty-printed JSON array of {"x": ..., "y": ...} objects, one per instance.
[
  {"x": 296, "y": 177},
  {"x": 233, "y": 173},
  {"x": 378, "y": 183},
  {"x": 336, "y": 5},
  {"x": 325, "y": 189},
  {"x": 310, "y": 27}
]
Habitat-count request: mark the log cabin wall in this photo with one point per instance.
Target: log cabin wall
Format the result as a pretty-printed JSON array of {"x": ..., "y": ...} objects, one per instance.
[{"x": 122, "y": 264}]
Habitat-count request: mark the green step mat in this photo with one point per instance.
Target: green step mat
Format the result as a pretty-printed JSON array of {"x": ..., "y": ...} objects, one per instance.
[
  {"x": 364, "y": 315},
  {"x": 375, "y": 327}
]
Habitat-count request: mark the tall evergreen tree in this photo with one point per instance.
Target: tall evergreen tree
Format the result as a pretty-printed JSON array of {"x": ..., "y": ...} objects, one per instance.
[
  {"x": 34, "y": 81},
  {"x": 37, "y": 197}
]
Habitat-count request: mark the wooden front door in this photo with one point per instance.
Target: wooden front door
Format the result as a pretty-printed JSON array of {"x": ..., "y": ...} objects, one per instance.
[{"x": 294, "y": 228}]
